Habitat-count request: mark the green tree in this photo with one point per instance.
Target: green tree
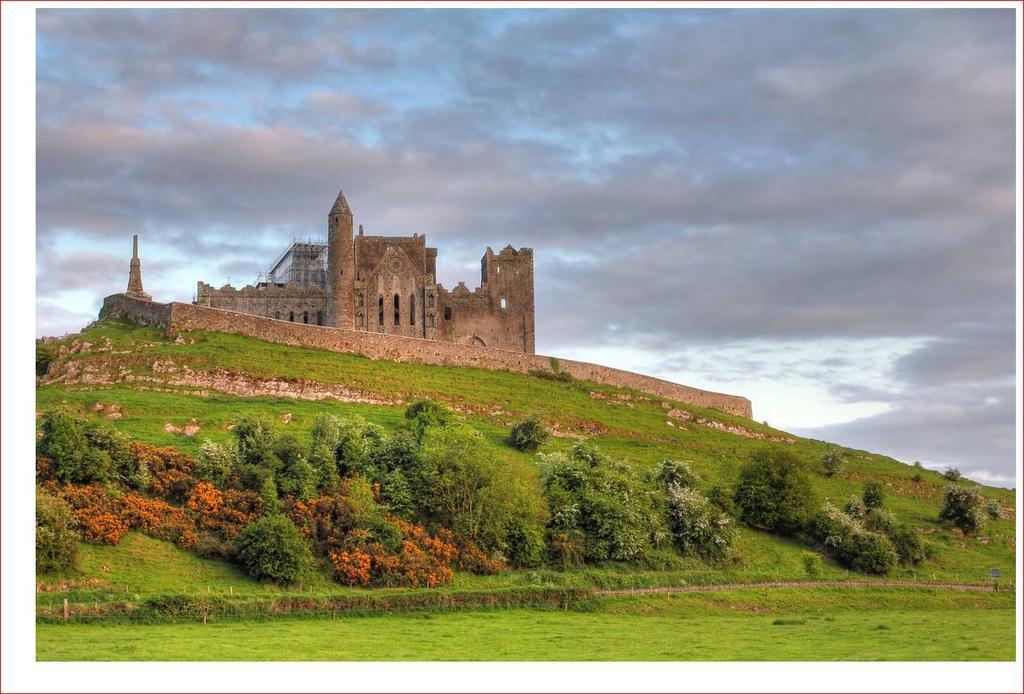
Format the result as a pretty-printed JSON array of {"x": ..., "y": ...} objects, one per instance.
[
  {"x": 992, "y": 509},
  {"x": 324, "y": 438},
  {"x": 874, "y": 495},
  {"x": 424, "y": 414},
  {"x": 812, "y": 563},
  {"x": 677, "y": 473},
  {"x": 774, "y": 491},
  {"x": 907, "y": 543},
  {"x": 56, "y": 534},
  {"x": 126, "y": 468},
  {"x": 600, "y": 504},
  {"x": 273, "y": 548},
  {"x": 398, "y": 451},
  {"x": 463, "y": 486},
  {"x": 259, "y": 465},
  {"x": 850, "y": 543},
  {"x": 528, "y": 435},
  {"x": 255, "y": 438},
  {"x": 855, "y": 508},
  {"x": 396, "y": 494},
  {"x": 66, "y": 443},
  {"x": 357, "y": 442},
  {"x": 961, "y": 506},
  {"x": 721, "y": 496},
  {"x": 697, "y": 526},
  {"x": 832, "y": 461},
  {"x": 871, "y": 553},
  {"x": 297, "y": 477},
  {"x": 218, "y": 463}
]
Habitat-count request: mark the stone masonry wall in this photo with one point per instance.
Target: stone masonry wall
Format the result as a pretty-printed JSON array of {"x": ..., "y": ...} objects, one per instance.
[
  {"x": 177, "y": 317},
  {"x": 292, "y": 301},
  {"x": 137, "y": 310}
]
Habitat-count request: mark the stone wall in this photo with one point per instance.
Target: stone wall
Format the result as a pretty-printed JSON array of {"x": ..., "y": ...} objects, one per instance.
[
  {"x": 498, "y": 313},
  {"x": 136, "y": 310},
  {"x": 291, "y": 302},
  {"x": 177, "y": 317}
]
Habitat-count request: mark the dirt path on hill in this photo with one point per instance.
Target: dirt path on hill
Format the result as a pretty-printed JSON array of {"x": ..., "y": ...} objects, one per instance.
[{"x": 713, "y": 587}]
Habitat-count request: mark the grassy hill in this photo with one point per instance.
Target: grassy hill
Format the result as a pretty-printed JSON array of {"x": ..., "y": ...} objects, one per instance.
[{"x": 180, "y": 392}]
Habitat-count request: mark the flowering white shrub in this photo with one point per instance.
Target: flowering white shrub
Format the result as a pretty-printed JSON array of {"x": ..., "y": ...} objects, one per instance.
[{"x": 697, "y": 525}]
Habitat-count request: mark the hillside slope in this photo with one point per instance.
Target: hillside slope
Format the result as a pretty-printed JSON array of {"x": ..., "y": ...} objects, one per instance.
[{"x": 180, "y": 392}]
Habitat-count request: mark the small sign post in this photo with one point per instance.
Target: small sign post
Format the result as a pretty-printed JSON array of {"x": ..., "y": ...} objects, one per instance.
[{"x": 995, "y": 574}]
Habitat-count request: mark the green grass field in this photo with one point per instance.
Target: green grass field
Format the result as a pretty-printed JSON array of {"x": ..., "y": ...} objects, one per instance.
[{"x": 738, "y": 625}]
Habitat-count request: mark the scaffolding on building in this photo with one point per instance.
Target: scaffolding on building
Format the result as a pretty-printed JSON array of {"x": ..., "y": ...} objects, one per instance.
[{"x": 303, "y": 263}]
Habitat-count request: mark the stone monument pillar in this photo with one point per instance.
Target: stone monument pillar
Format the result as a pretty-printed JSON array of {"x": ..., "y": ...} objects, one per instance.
[{"x": 135, "y": 289}]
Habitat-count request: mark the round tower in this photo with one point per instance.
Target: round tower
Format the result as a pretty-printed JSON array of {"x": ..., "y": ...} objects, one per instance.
[{"x": 340, "y": 265}]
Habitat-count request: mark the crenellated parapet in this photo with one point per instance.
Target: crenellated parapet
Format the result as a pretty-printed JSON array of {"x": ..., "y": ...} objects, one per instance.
[{"x": 250, "y": 291}]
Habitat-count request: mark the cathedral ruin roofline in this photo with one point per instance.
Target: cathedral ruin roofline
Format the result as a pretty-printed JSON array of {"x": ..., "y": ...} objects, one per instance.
[{"x": 388, "y": 285}]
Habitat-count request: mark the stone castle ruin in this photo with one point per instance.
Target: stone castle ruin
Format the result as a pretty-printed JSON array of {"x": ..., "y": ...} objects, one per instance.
[
  {"x": 387, "y": 284},
  {"x": 376, "y": 296}
]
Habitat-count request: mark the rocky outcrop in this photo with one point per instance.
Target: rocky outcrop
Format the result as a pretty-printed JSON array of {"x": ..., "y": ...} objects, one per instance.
[
  {"x": 723, "y": 426},
  {"x": 167, "y": 375}
]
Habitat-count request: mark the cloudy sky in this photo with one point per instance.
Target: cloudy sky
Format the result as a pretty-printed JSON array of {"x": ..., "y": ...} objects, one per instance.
[{"x": 812, "y": 208}]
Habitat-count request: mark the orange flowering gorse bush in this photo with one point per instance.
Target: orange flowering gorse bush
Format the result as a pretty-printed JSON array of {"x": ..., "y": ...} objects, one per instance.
[
  {"x": 352, "y": 568},
  {"x": 104, "y": 518},
  {"x": 224, "y": 512},
  {"x": 421, "y": 559},
  {"x": 100, "y": 527},
  {"x": 159, "y": 519}
]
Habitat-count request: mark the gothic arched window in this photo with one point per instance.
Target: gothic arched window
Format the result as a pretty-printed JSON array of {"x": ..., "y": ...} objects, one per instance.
[
  {"x": 398, "y": 310},
  {"x": 380, "y": 310},
  {"x": 305, "y": 317},
  {"x": 412, "y": 309}
]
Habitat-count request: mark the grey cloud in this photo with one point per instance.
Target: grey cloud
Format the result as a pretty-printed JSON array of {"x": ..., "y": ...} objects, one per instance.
[
  {"x": 953, "y": 404},
  {"x": 942, "y": 427},
  {"x": 147, "y": 48},
  {"x": 78, "y": 270},
  {"x": 53, "y": 319}
]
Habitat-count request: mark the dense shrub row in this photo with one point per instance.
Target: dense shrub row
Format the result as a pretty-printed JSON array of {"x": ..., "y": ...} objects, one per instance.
[{"x": 408, "y": 506}]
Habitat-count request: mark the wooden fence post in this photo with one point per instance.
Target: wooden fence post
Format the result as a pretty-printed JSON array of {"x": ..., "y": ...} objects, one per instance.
[{"x": 65, "y": 609}]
